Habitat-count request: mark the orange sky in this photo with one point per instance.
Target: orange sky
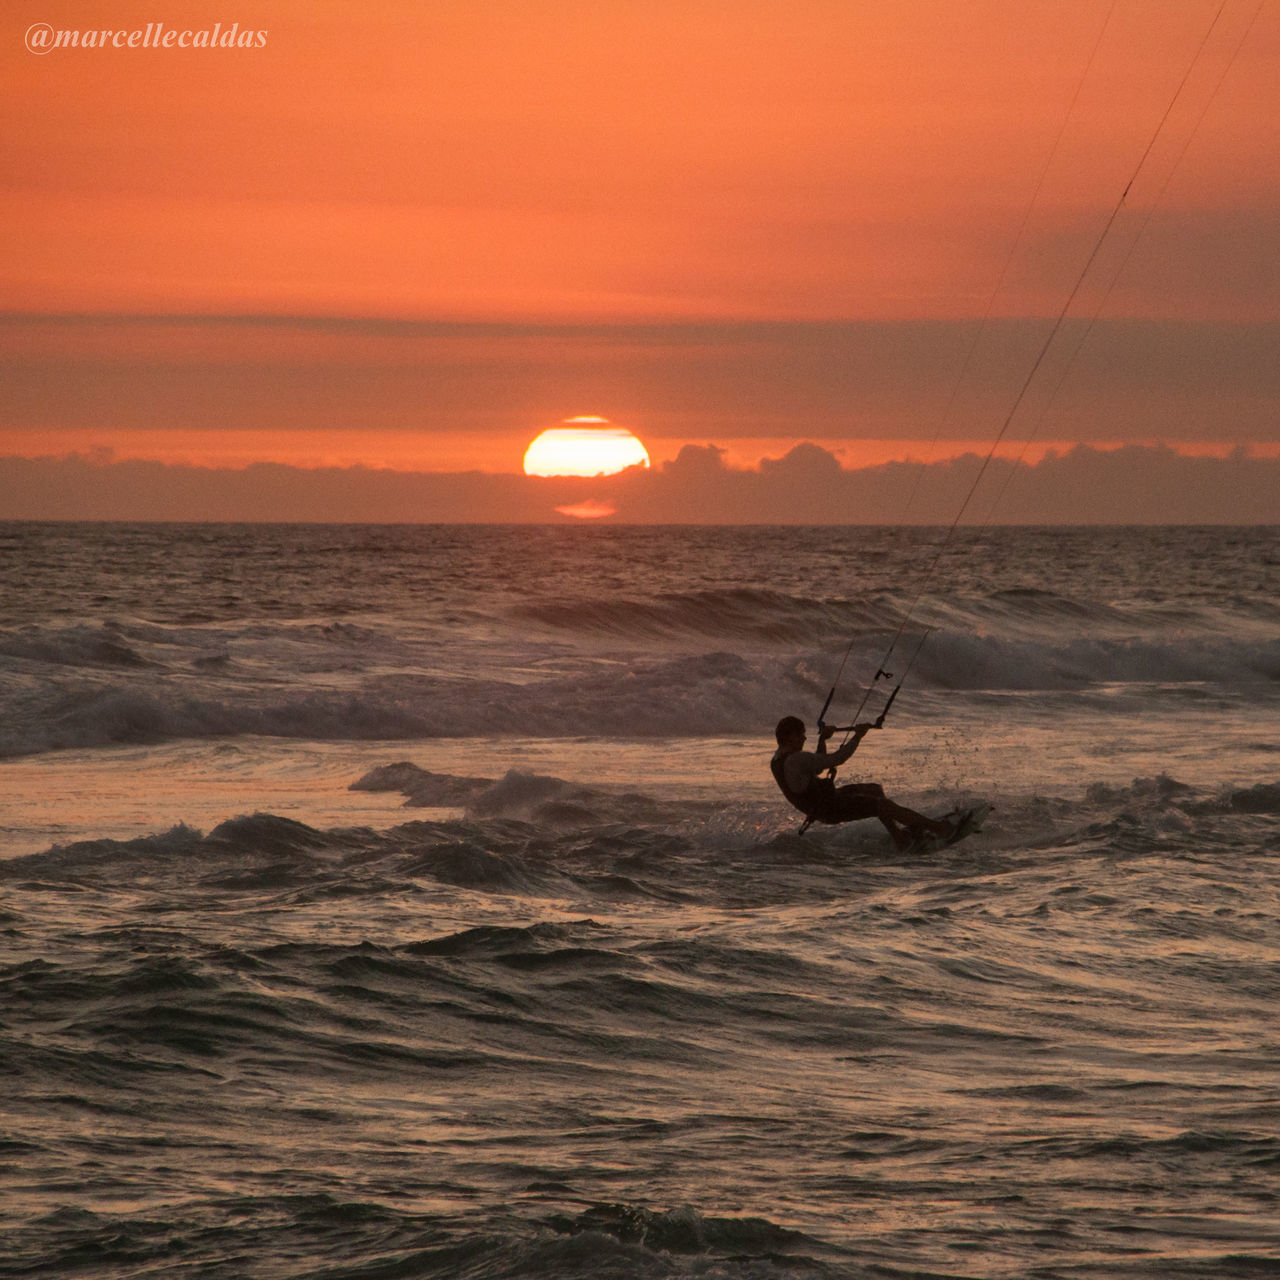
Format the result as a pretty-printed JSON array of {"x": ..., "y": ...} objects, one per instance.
[{"x": 579, "y": 171}]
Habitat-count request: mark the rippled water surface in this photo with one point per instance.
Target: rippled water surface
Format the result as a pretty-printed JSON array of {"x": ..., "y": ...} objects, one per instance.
[{"x": 399, "y": 903}]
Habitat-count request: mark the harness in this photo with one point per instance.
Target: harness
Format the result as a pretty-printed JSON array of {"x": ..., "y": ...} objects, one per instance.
[{"x": 814, "y": 801}]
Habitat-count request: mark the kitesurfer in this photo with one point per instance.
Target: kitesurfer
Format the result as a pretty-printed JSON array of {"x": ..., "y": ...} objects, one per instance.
[{"x": 798, "y": 774}]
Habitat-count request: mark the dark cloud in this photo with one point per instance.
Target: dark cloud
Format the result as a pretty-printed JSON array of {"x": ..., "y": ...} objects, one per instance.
[
  {"x": 696, "y": 460},
  {"x": 805, "y": 464},
  {"x": 1133, "y": 485},
  {"x": 1120, "y": 379}
]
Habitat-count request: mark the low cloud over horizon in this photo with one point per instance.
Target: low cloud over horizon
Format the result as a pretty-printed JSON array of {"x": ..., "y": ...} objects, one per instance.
[{"x": 1136, "y": 484}]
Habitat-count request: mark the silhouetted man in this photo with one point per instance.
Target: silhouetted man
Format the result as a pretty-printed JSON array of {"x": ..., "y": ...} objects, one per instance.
[{"x": 798, "y": 774}]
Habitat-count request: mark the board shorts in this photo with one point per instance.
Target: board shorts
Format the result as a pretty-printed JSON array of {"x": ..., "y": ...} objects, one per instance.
[{"x": 851, "y": 803}]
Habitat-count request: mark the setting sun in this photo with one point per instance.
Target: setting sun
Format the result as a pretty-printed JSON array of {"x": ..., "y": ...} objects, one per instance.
[{"x": 584, "y": 447}]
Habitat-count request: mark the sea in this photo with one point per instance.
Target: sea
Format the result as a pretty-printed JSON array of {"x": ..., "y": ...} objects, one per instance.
[{"x": 407, "y": 902}]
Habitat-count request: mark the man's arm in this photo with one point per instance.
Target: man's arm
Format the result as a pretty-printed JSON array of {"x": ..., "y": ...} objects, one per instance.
[{"x": 839, "y": 756}]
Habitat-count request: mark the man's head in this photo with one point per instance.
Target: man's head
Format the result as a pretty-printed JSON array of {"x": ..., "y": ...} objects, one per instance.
[{"x": 790, "y": 731}]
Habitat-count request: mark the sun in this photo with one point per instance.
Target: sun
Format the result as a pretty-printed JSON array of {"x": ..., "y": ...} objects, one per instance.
[{"x": 584, "y": 447}]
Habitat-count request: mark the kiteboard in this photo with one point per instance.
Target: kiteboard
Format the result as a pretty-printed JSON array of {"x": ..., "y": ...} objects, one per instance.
[{"x": 965, "y": 823}]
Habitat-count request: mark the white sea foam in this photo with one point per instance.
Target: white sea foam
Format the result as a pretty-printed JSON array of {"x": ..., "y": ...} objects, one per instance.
[{"x": 62, "y": 694}]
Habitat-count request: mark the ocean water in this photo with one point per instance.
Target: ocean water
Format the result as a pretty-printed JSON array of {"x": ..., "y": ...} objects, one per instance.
[{"x": 397, "y": 902}]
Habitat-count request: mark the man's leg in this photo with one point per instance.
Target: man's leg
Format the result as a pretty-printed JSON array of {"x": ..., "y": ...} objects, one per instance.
[
  {"x": 857, "y": 800},
  {"x": 890, "y": 813},
  {"x": 900, "y": 836}
]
